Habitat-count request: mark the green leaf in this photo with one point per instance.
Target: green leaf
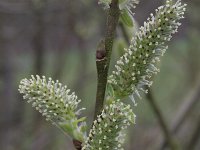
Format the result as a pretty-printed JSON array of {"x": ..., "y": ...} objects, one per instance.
[{"x": 126, "y": 18}]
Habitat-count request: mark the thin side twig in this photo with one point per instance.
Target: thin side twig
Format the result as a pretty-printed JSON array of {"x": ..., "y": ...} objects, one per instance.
[
  {"x": 185, "y": 109},
  {"x": 171, "y": 141}
]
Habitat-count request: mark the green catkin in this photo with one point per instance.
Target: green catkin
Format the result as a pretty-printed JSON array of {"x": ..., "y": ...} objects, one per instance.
[
  {"x": 107, "y": 130},
  {"x": 55, "y": 102},
  {"x": 136, "y": 67}
]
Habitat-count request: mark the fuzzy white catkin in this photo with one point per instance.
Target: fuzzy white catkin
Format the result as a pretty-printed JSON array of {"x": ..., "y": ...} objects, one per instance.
[
  {"x": 136, "y": 67},
  {"x": 54, "y": 101},
  {"x": 107, "y": 130}
]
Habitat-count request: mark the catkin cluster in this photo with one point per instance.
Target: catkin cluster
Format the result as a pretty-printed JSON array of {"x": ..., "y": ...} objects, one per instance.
[{"x": 133, "y": 74}]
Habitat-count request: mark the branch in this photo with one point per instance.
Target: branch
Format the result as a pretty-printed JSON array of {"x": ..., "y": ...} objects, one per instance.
[
  {"x": 103, "y": 54},
  {"x": 168, "y": 135},
  {"x": 185, "y": 109}
]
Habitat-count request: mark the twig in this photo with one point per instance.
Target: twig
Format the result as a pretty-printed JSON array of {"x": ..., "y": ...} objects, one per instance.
[
  {"x": 103, "y": 54},
  {"x": 185, "y": 109},
  {"x": 168, "y": 135}
]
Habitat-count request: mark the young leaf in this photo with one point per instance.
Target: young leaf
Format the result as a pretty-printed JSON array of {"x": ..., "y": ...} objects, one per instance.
[{"x": 126, "y": 18}]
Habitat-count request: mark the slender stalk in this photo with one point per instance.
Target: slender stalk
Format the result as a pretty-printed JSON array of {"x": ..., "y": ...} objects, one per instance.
[{"x": 103, "y": 54}]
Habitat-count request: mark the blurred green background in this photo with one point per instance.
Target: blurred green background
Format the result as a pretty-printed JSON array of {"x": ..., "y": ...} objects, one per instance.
[{"x": 58, "y": 38}]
